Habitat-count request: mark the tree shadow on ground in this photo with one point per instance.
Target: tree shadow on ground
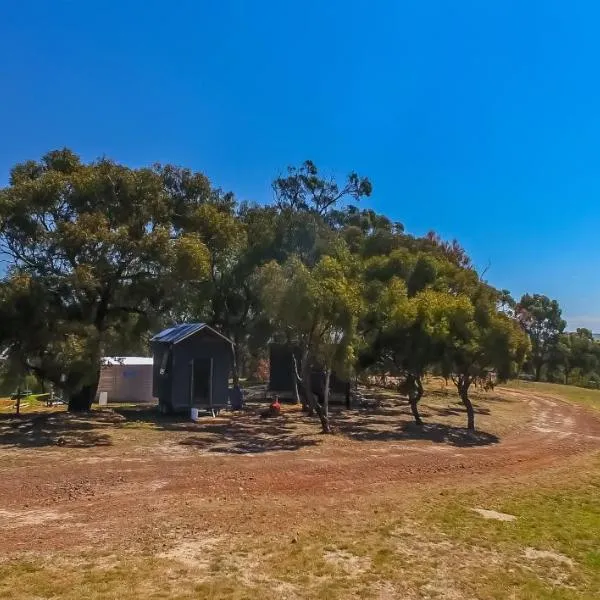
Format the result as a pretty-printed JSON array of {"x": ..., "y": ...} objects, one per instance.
[
  {"x": 51, "y": 429},
  {"x": 448, "y": 434},
  {"x": 452, "y": 411},
  {"x": 240, "y": 432},
  {"x": 251, "y": 435},
  {"x": 475, "y": 395},
  {"x": 434, "y": 432}
]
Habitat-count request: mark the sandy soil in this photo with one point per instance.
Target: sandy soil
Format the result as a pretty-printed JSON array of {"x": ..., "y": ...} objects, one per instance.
[{"x": 68, "y": 483}]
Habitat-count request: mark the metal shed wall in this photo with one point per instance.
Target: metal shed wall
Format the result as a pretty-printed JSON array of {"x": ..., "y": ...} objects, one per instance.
[
  {"x": 282, "y": 374},
  {"x": 127, "y": 383},
  {"x": 183, "y": 344},
  {"x": 201, "y": 345},
  {"x": 281, "y": 367}
]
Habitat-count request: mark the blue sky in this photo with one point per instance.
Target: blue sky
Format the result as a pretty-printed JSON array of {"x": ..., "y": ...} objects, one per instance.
[{"x": 480, "y": 120}]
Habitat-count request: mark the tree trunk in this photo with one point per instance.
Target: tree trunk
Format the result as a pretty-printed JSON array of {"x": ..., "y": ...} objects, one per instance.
[
  {"x": 299, "y": 379},
  {"x": 235, "y": 367},
  {"x": 415, "y": 393},
  {"x": 463, "y": 391},
  {"x": 323, "y": 417},
  {"x": 326, "y": 394},
  {"x": 313, "y": 404},
  {"x": 295, "y": 390},
  {"x": 81, "y": 401},
  {"x": 305, "y": 386},
  {"x": 538, "y": 371}
]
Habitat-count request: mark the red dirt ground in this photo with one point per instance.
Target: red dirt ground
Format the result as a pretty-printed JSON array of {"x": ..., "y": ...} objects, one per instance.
[{"x": 119, "y": 483}]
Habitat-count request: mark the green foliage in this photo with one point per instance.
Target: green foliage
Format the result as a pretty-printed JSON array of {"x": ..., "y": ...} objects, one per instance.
[
  {"x": 305, "y": 191},
  {"x": 93, "y": 247},
  {"x": 318, "y": 309},
  {"x": 575, "y": 358},
  {"x": 479, "y": 343},
  {"x": 541, "y": 318},
  {"x": 101, "y": 255}
]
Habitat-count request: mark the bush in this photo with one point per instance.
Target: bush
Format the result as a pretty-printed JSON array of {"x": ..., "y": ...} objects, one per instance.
[{"x": 262, "y": 371}]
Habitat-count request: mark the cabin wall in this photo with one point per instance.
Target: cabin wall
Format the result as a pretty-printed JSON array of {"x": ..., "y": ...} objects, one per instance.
[
  {"x": 281, "y": 367},
  {"x": 200, "y": 346},
  {"x": 282, "y": 373},
  {"x": 161, "y": 385}
]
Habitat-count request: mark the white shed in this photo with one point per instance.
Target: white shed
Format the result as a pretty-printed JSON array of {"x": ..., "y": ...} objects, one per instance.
[{"x": 126, "y": 379}]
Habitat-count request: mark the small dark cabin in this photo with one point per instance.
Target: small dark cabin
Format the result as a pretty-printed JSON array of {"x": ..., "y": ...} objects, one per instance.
[
  {"x": 282, "y": 374},
  {"x": 191, "y": 367}
]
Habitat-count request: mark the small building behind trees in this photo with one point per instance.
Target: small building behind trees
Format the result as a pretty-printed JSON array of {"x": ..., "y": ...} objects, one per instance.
[
  {"x": 282, "y": 375},
  {"x": 192, "y": 363},
  {"x": 126, "y": 379}
]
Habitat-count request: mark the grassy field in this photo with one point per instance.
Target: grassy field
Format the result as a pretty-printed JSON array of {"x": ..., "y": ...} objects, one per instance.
[
  {"x": 246, "y": 533},
  {"x": 577, "y": 395}
]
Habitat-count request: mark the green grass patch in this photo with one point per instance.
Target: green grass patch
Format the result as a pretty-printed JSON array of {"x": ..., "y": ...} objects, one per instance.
[
  {"x": 552, "y": 546},
  {"x": 577, "y": 395}
]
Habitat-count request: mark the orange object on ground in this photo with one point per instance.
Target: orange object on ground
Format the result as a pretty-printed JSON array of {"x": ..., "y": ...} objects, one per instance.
[{"x": 273, "y": 411}]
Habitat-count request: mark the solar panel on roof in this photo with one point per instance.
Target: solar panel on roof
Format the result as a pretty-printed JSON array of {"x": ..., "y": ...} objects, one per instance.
[
  {"x": 177, "y": 333},
  {"x": 172, "y": 335}
]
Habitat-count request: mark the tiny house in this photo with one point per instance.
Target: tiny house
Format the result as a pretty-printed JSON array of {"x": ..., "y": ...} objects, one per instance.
[
  {"x": 126, "y": 379},
  {"x": 191, "y": 367},
  {"x": 282, "y": 373}
]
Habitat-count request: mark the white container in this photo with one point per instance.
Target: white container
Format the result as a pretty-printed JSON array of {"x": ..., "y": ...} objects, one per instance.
[
  {"x": 103, "y": 399},
  {"x": 194, "y": 414}
]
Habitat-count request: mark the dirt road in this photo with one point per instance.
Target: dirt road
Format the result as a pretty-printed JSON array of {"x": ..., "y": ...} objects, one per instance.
[{"x": 232, "y": 476}]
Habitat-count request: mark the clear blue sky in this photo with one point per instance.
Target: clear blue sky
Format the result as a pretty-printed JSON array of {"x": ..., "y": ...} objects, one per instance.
[{"x": 479, "y": 119}]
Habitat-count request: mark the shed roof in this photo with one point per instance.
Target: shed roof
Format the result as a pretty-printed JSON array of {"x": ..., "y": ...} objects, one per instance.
[
  {"x": 127, "y": 361},
  {"x": 178, "y": 333}
]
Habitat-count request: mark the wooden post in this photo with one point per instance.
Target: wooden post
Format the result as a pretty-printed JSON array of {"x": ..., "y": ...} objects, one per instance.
[{"x": 210, "y": 383}]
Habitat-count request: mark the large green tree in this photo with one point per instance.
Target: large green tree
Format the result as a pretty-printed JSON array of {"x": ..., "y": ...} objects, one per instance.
[
  {"x": 317, "y": 309},
  {"x": 93, "y": 248},
  {"x": 399, "y": 338},
  {"x": 480, "y": 343},
  {"x": 303, "y": 189},
  {"x": 542, "y": 319},
  {"x": 575, "y": 353}
]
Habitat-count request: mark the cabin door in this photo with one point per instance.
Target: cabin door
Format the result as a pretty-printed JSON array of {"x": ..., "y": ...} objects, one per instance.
[{"x": 201, "y": 377}]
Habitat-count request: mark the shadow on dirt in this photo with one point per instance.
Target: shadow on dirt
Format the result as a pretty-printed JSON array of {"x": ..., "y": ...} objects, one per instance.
[
  {"x": 51, "y": 429},
  {"x": 452, "y": 411},
  {"x": 242, "y": 432},
  {"x": 446, "y": 434},
  {"x": 434, "y": 432},
  {"x": 251, "y": 435},
  {"x": 247, "y": 433}
]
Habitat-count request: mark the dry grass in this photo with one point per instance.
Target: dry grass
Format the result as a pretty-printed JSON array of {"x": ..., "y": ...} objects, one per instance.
[
  {"x": 577, "y": 395},
  {"x": 399, "y": 540},
  {"x": 127, "y": 425},
  {"x": 425, "y": 545}
]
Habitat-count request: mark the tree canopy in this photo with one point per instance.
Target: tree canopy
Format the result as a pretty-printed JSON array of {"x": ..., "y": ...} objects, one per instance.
[
  {"x": 93, "y": 249},
  {"x": 100, "y": 255},
  {"x": 542, "y": 319}
]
